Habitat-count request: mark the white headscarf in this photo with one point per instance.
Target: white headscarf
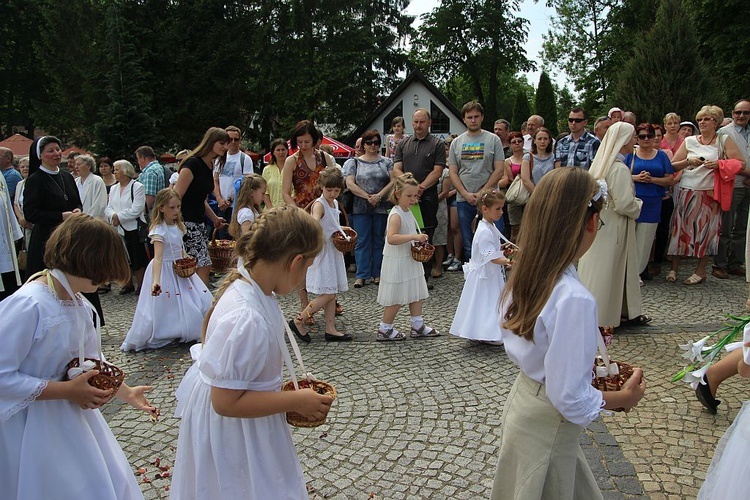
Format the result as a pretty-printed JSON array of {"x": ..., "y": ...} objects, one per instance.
[{"x": 616, "y": 137}]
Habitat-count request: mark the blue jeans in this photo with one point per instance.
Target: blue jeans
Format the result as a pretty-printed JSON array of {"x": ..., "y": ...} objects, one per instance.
[
  {"x": 368, "y": 253},
  {"x": 466, "y": 214}
]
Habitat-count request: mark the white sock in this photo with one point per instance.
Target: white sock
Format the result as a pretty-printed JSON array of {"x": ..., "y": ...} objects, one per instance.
[
  {"x": 384, "y": 327},
  {"x": 417, "y": 322}
]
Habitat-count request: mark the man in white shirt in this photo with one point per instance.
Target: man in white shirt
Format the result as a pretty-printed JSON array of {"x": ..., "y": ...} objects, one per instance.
[
  {"x": 238, "y": 164},
  {"x": 532, "y": 125}
]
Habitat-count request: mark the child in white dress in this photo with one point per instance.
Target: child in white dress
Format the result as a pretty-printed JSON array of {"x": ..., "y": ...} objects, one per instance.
[
  {"x": 477, "y": 316},
  {"x": 727, "y": 475},
  {"x": 170, "y": 308},
  {"x": 327, "y": 276},
  {"x": 54, "y": 441},
  {"x": 247, "y": 207},
  {"x": 234, "y": 440},
  {"x": 402, "y": 278},
  {"x": 550, "y": 328}
]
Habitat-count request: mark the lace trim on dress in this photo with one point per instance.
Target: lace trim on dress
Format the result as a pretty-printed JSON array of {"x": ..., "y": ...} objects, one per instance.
[
  {"x": 26, "y": 402},
  {"x": 66, "y": 302}
]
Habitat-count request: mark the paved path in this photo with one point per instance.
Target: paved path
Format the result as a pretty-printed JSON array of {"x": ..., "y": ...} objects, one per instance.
[{"x": 420, "y": 419}]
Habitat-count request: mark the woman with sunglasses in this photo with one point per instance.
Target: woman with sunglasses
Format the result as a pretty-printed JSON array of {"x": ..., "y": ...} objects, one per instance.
[
  {"x": 512, "y": 169},
  {"x": 652, "y": 175},
  {"x": 609, "y": 267},
  {"x": 368, "y": 177},
  {"x": 697, "y": 215}
]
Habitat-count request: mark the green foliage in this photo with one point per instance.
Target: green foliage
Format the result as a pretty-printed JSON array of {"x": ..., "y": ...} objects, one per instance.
[
  {"x": 545, "y": 104},
  {"x": 646, "y": 88},
  {"x": 724, "y": 45},
  {"x": 481, "y": 62},
  {"x": 521, "y": 110}
]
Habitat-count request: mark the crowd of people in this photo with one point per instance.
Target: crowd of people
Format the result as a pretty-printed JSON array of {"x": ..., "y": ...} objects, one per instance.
[{"x": 603, "y": 210}]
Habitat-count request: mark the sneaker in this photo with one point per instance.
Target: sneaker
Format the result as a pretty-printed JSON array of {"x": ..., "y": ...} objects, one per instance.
[
  {"x": 448, "y": 261},
  {"x": 391, "y": 334},
  {"x": 424, "y": 332},
  {"x": 455, "y": 265}
]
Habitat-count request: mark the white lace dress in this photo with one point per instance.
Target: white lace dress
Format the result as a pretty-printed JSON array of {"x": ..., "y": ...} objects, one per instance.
[
  {"x": 231, "y": 458},
  {"x": 401, "y": 277},
  {"x": 52, "y": 448},
  {"x": 177, "y": 313},
  {"x": 477, "y": 316},
  {"x": 327, "y": 274}
]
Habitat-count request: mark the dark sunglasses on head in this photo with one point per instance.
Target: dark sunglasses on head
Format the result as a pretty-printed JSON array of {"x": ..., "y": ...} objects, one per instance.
[
  {"x": 576, "y": 120},
  {"x": 234, "y": 139},
  {"x": 372, "y": 143},
  {"x": 643, "y": 137},
  {"x": 742, "y": 112}
]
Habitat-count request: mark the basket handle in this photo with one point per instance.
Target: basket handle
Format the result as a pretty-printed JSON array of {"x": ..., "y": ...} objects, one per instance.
[
  {"x": 280, "y": 336},
  {"x": 612, "y": 368},
  {"x": 213, "y": 235}
]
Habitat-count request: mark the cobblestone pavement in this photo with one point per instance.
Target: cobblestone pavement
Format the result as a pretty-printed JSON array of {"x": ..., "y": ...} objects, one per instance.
[{"x": 420, "y": 418}]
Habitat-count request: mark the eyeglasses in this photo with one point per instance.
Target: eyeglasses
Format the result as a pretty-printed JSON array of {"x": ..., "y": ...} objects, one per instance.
[
  {"x": 517, "y": 141},
  {"x": 704, "y": 119},
  {"x": 742, "y": 112},
  {"x": 234, "y": 139},
  {"x": 643, "y": 137},
  {"x": 372, "y": 143},
  {"x": 576, "y": 120}
]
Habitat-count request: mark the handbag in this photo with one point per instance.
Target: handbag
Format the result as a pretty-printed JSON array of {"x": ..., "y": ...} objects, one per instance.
[
  {"x": 517, "y": 193},
  {"x": 22, "y": 256}
]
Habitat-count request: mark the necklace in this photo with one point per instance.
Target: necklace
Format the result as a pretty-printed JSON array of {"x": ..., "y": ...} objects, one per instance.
[
  {"x": 60, "y": 185},
  {"x": 700, "y": 139}
]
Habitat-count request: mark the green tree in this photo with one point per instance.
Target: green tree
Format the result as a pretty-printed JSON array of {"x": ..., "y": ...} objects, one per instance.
[
  {"x": 486, "y": 56},
  {"x": 545, "y": 103},
  {"x": 724, "y": 44},
  {"x": 521, "y": 110},
  {"x": 645, "y": 87}
]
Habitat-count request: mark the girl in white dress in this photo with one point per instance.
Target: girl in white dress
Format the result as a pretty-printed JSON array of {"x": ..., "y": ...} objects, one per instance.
[
  {"x": 402, "y": 278},
  {"x": 234, "y": 440},
  {"x": 727, "y": 475},
  {"x": 54, "y": 441},
  {"x": 170, "y": 308},
  {"x": 327, "y": 276},
  {"x": 247, "y": 207},
  {"x": 477, "y": 316},
  {"x": 549, "y": 327}
]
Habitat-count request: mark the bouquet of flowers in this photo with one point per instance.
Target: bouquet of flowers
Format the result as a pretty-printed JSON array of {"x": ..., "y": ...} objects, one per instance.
[{"x": 701, "y": 356}]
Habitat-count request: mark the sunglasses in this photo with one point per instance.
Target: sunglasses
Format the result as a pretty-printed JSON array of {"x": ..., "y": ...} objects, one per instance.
[
  {"x": 643, "y": 137},
  {"x": 372, "y": 143},
  {"x": 517, "y": 141},
  {"x": 234, "y": 139},
  {"x": 742, "y": 112},
  {"x": 576, "y": 120}
]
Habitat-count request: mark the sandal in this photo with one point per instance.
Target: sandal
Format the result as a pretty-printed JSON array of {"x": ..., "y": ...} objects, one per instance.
[
  {"x": 390, "y": 334},
  {"x": 641, "y": 320},
  {"x": 304, "y": 338},
  {"x": 421, "y": 334},
  {"x": 694, "y": 279},
  {"x": 672, "y": 276},
  {"x": 339, "y": 309},
  {"x": 309, "y": 320},
  {"x": 358, "y": 283},
  {"x": 376, "y": 281}
]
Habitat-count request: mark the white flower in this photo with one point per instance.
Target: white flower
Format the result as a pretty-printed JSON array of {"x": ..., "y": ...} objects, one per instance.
[
  {"x": 696, "y": 377},
  {"x": 695, "y": 349}
]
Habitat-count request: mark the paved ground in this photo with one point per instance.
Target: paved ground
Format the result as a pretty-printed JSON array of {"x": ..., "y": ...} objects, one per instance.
[{"x": 420, "y": 419}]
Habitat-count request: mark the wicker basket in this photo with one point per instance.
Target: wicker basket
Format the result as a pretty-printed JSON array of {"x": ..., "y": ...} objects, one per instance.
[
  {"x": 109, "y": 376},
  {"x": 320, "y": 387},
  {"x": 221, "y": 253},
  {"x": 422, "y": 251},
  {"x": 185, "y": 267},
  {"x": 342, "y": 244},
  {"x": 611, "y": 382}
]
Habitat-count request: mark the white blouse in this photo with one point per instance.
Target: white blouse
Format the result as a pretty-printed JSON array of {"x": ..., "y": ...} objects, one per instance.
[
  {"x": 564, "y": 348},
  {"x": 127, "y": 210},
  {"x": 93, "y": 195}
]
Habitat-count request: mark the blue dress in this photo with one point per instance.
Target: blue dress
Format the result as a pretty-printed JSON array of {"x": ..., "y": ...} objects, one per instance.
[{"x": 651, "y": 194}]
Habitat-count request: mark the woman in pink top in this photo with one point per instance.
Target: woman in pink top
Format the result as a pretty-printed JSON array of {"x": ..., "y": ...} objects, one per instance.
[
  {"x": 672, "y": 140},
  {"x": 512, "y": 169}
]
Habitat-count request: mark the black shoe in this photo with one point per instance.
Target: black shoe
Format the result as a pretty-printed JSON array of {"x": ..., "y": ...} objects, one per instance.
[
  {"x": 703, "y": 393},
  {"x": 127, "y": 289},
  {"x": 338, "y": 338},
  {"x": 430, "y": 286},
  {"x": 646, "y": 276},
  {"x": 304, "y": 338}
]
